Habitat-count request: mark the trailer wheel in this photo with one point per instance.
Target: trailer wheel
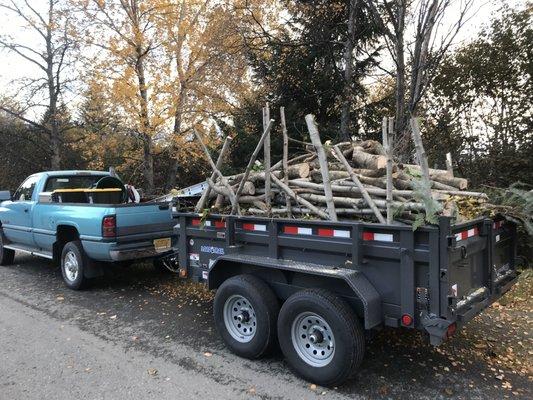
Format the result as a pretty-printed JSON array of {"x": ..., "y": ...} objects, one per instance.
[
  {"x": 245, "y": 311},
  {"x": 321, "y": 337},
  {"x": 7, "y": 256},
  {"x": 74, "y": 262}
]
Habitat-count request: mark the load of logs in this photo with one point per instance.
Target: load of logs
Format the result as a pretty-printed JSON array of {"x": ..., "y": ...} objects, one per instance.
[{"x": 349, "y": 180}]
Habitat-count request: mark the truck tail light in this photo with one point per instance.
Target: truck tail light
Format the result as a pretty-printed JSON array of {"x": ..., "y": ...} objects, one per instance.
[{"x": 109, "y": 226}]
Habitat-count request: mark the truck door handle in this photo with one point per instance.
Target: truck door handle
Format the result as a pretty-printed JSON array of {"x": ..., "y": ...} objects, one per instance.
[{"x": 26, "y": 209}]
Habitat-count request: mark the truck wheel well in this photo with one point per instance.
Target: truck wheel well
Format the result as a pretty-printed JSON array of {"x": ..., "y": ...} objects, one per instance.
[
  {"x": 286, "y": 282},
  {"x": 64, "y": 234}
]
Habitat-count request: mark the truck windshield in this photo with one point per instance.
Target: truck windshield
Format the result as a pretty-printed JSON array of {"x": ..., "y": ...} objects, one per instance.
[{"x": 71, "y": 182}]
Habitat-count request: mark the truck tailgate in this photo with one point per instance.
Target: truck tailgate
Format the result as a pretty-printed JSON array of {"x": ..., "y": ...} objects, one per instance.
[
  {"x": 481, "y": 265},
  {"x": 143, "y": 221}
]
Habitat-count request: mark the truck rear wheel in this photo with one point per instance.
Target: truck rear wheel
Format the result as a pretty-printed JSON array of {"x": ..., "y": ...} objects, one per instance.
[
  {"x": 245, "y": 311},
  {"x": 74, "y": 262},
  {"x": 321, "y": 337},
  {"x": 7, "y": 256}
]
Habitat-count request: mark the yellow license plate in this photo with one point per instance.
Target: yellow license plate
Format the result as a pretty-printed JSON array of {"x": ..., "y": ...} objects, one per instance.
[{"x": 162, "y": 244}]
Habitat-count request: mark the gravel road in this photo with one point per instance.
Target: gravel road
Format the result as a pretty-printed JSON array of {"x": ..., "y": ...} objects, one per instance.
[{"x": 138, "y": 334}]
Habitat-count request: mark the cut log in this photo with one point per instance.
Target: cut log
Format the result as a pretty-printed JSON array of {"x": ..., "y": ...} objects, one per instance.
[
  {"x": 251, "y": 163},
  {"x": 368, "y": 161},
  {"x": 323, "y": 160},
  {"x": 285, "y": 158},
  {"x": 298, "y": 198},
  {"x": 206, "y": 194},
  {"x": 223, "y": 180},
  {"x": 459, "y": 183},
  {"x": 266, "y": 153},
  {"x": 360, "y": 203},
  {"x": 364, "y": 192},
  {"x": 373, "y": 147}
]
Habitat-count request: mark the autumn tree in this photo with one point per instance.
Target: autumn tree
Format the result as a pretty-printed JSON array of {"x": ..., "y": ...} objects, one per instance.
[
  {"x": 203, "y": 52},
  {"x": 123, "y": 31},
  {"x": 50, "y": 54}
]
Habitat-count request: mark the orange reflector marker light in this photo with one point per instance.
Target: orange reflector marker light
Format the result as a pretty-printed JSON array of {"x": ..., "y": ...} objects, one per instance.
[{"x": 407, "y": 320}]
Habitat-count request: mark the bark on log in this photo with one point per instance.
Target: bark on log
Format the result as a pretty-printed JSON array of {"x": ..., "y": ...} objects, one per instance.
[
  {"x": 359, "y": 203},
  {"x": 299, "y": 199},
  {"x": 285, "y": 158},
  {"x": 354, "y": 178},
  {"x": 206, "y": 194},
  {"x": 251, "y": 163},
  {"x": 373, "y": 147},
  {"x": 323, "y": 160},
  {"x": 266, "y": 153},
  {"x": 368, "y": 161},
  {"x": 223, "y": 180}
]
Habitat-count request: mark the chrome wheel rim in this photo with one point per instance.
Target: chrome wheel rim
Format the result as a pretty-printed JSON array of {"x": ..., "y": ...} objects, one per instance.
[
  {"x": 313, "y": 339},
  {"x": 71, "y": 266},
  {"x": 240, "y": 318}
]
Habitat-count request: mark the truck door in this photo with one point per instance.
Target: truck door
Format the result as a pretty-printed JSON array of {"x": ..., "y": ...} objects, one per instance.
[{"x": 17, "y": 221}]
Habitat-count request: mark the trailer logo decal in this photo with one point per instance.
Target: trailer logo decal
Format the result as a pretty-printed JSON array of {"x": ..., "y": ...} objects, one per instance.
[{"x": 212, "y": 250}]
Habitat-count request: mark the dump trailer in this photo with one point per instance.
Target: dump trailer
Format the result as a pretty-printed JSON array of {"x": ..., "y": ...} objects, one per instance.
[{"x": 317, "y": 287}]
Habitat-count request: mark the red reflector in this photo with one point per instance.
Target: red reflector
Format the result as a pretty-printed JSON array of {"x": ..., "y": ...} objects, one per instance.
[
  {"x": 407, "y": 320},
  {"x": 368, "y": 236},
  {"x": 196, "y": 222},
  {"x": 325, "y": 232},
  {"x": 220, "y": 224},
  {"x": 109, "y": 225},
  {"x": 451, "y": 330},
  {"x": 293, "y": 230},
  {"x": 248, "y": 227}
]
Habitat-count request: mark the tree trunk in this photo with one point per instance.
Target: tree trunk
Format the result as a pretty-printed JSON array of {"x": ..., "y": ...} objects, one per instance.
[
  {"x": 348, "y": 71},
  {"x": 145, "y": 133},
  {"x": 178, "y": 117},
  {"x": 53, "y": 92}
]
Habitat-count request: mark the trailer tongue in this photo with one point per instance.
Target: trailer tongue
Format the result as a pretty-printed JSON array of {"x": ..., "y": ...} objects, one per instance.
[{"x": 335, "y": 280}]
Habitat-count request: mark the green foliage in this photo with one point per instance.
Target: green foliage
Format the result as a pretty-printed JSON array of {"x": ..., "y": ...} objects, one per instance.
[
  {"x": 485, "y": 86},
  {"x": 422, "y": 194}
]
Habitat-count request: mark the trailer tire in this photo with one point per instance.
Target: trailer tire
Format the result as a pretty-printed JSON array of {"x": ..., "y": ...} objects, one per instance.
[
  {"x": 74, "y": 263},
  {"x": 7, "y": 256},
  {"x": 245, "y": 312},
  {"x": 321, "y": 337}
]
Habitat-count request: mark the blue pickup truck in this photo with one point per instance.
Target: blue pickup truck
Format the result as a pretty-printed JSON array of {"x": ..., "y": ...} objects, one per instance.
[{"x": 81, "y": 220}]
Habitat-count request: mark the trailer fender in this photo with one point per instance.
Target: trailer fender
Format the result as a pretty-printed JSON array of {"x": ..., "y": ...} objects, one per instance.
[{"x": 230, "y": 265}]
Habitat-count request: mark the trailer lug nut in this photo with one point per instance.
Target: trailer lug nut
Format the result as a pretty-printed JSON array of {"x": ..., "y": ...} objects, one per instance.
[
  {"x": 316, "y": 337},
  {"x": 243, "y": 317}
]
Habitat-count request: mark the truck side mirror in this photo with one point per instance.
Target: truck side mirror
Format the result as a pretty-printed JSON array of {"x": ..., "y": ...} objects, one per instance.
[{"x": 5, "y": 195}]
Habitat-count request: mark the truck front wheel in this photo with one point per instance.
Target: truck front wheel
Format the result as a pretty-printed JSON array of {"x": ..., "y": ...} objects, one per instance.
[
  {"x": 74, "y": 262},
  {"x": 246, "y": 311},
  {"x": 321, "y": 337},
  {"x": 7, "y": 256}
]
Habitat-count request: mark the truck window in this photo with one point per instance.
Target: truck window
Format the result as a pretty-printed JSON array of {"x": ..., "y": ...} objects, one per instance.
[
  {"x": 71, "y": 182},
  {"x": 25, "y": 191}
]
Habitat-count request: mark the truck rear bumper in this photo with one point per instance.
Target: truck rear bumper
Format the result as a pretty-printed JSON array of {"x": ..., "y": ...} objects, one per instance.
[
  {"x": 136, "y": 250},
  {"x": 137, "y": 253}
]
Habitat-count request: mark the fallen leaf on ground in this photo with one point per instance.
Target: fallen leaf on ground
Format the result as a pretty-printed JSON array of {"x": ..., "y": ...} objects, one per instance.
[{"x": 152, "y": 371}]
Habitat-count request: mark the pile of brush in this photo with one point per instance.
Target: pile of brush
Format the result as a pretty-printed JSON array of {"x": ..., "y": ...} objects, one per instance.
[{"x": 349, "y": 180}]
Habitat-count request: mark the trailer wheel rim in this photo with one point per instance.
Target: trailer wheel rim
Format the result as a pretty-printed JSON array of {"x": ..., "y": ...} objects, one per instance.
[
  {"x": 313, "y": 339},
  {"x": 240, "y": 318},
  {"x": 71, "y": 266}
]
